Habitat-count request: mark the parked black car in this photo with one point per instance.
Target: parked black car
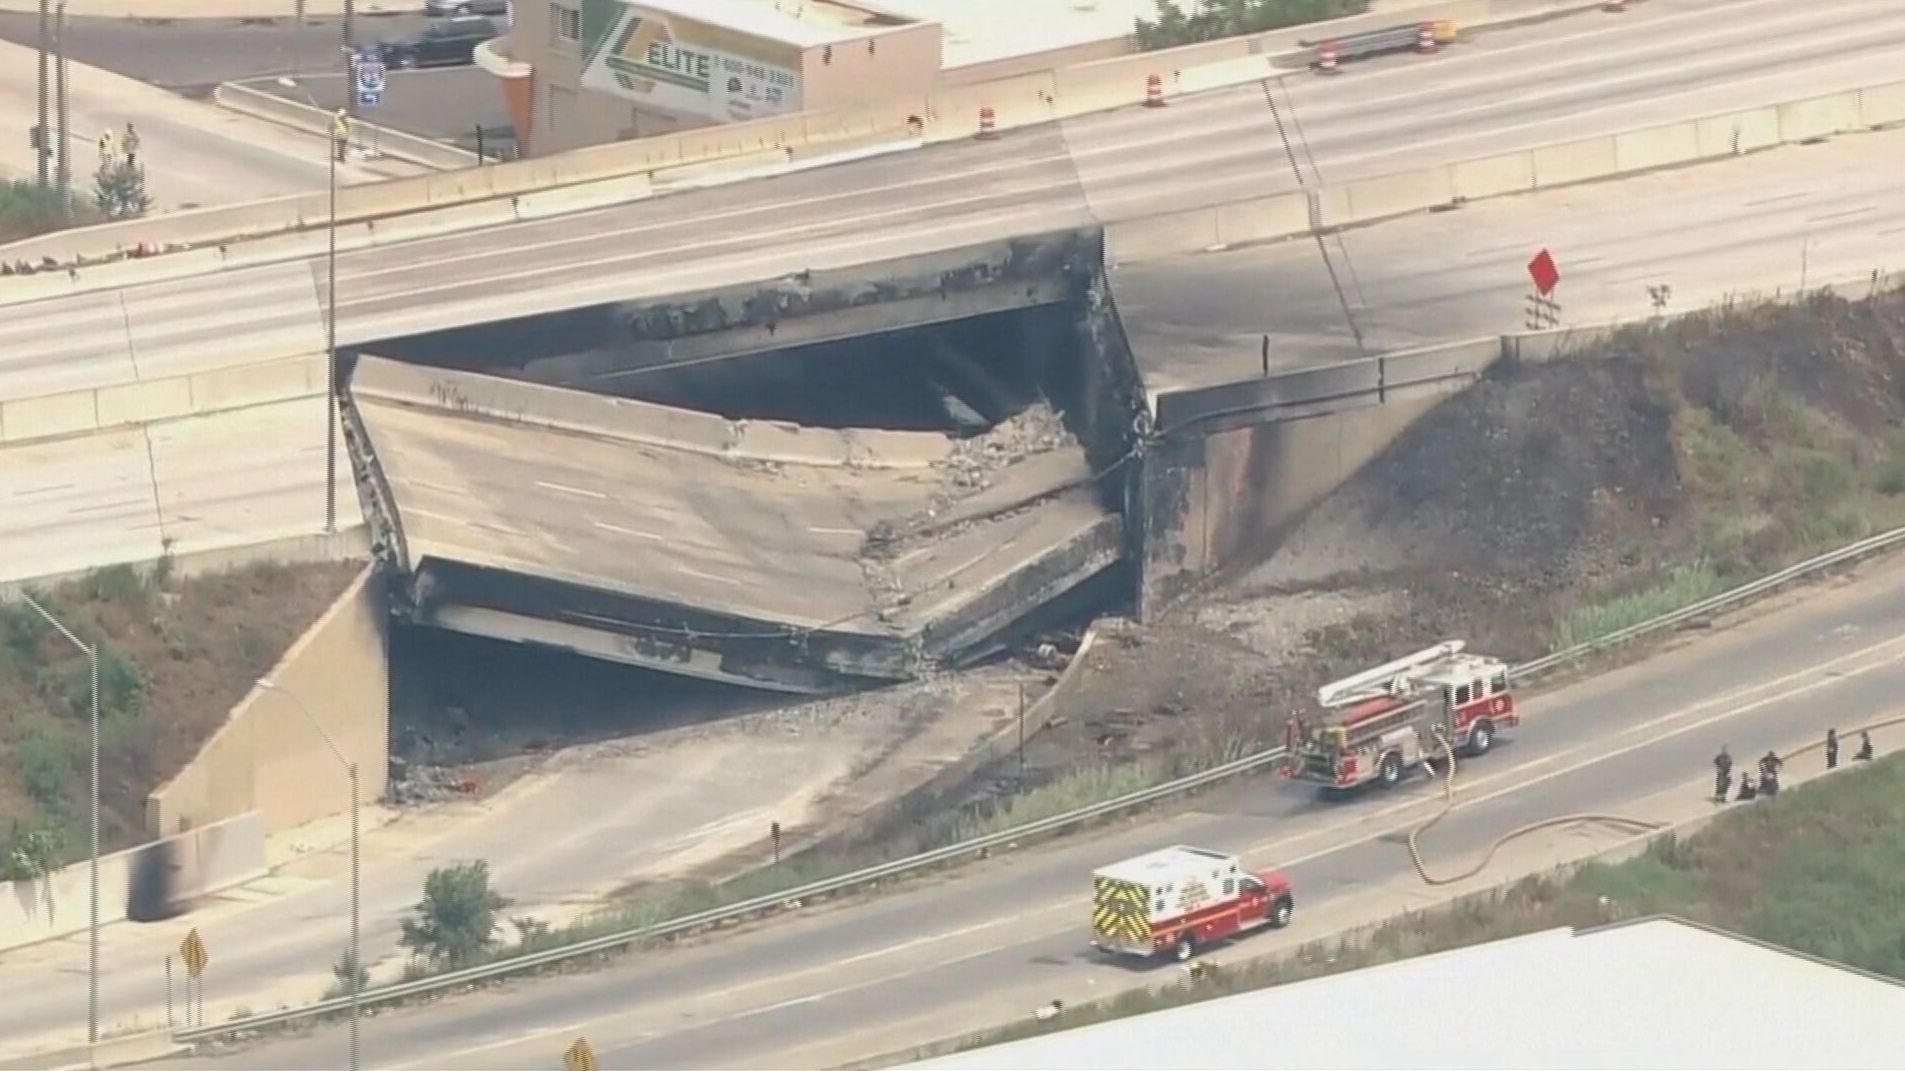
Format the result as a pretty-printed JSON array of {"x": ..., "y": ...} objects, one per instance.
[
  {"x": 443, "y": 43},
  {"x": 465, "y": 7}
]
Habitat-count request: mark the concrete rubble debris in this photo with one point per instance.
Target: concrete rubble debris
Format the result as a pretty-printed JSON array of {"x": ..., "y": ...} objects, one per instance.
[
  {"x": 972, "y": 462},
  {"x": 420, "y": 783}
]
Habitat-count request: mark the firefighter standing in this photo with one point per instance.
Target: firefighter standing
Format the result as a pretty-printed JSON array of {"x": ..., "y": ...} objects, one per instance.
[
  {"x": 1722, "y": 774},
  {"x": 1769, "y": 765},
  {"x": 1832, "y": 749}
]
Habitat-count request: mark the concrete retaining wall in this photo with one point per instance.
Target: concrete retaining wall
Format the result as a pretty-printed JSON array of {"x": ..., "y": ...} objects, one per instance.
[
  {"x": 144, "y": 401},
  {"x": 267, "y": 758},
  {"x": 1018, "y": 99},
  {"x": 1240, "y": 461},
  {"x": 198, "y": 862},
  {"x": 1711, "y": 137}
]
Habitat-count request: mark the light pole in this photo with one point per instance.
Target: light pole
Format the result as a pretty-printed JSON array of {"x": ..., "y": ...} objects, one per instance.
[
  {"x": 92, "y": 875},
  {"x": 64, "y": 164},
  {"x": 350, "y": 767},
  {"x": 45, "y": 142},
  {"x": 340, "y": 137}
]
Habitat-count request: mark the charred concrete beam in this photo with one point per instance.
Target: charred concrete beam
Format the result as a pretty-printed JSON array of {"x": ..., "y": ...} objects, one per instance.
[
  {"x": 813, "y": 307},
  {"x": 536, "y": 609}
]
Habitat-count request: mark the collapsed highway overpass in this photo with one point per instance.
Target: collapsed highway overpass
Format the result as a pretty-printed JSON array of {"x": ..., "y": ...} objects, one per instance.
[
  {"x": 521, "y": 492},
  {"x": 841, "y": 478}
]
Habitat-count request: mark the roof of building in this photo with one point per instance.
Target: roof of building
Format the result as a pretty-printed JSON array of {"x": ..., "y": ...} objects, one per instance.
[
  {"x": 1656, "y": 993},
  {"x": 801, "y": 23},
  {"x": 977, "y": 31}
]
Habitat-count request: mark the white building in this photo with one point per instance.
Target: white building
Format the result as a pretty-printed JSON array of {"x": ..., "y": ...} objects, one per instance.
[{"x": 1656, "y": 993}]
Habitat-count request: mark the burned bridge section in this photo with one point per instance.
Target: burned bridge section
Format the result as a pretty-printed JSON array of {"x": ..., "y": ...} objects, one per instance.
[{"x": 758, "y": 553}]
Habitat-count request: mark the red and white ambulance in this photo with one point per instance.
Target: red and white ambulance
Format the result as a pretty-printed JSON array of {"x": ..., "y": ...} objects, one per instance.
[{"x": 1177, "y": 900}]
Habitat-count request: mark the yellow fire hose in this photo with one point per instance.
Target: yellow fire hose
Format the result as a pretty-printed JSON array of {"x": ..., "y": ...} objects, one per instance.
[{"x": 1610, "y": 820}]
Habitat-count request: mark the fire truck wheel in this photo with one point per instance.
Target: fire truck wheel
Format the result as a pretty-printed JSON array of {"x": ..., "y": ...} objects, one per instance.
[
  {"x": 1391, "y": 772},
  {"x": 1280, "y": 912},
  {"x": 1481, "y": 738},
  {"x": 1186, "y": 946}
]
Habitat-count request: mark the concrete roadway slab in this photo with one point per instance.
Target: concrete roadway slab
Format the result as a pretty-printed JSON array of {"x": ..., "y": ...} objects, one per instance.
[
  {"x": 654, "y": 504},
  {"x": 104, "y": 338},
  {"x": 1766, "y": 222},
  {"x": 196, "y": 485}
]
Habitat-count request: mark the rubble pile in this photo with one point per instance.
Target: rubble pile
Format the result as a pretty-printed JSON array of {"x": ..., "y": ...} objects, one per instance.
[{"x": 972, "y": 462}]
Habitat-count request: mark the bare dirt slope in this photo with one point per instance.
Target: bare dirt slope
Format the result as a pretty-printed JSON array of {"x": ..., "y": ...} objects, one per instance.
[{"x": 1550, "y": 501}]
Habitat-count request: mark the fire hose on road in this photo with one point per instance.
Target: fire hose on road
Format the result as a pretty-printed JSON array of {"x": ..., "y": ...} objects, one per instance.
[{"x": 1615, "y": 821}]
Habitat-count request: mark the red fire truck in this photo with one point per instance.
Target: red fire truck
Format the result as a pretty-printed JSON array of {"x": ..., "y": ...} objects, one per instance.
[
  {"x": 1383, "y": 721},
  {"x": 1175, "y": 901}
]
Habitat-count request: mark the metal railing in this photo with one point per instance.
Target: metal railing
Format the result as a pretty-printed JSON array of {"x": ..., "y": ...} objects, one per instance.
[{"x": 870, "y": 875}]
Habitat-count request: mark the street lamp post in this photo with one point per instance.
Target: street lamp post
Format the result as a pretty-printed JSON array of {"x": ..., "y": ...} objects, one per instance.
[
  {"x": 340, "y": 138},
  {"x": 92, "y": 875},
  {"x": 356, "y": 952}
]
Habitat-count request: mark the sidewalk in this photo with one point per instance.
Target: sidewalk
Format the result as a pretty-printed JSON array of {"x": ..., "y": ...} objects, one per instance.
[{"x": 215, "y": 9}]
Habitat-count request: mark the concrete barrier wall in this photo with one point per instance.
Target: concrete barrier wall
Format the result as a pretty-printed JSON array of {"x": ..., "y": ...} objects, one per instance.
[
  {"x": 80, "y": 412},
  {"x": 952, "y": 112},
  {"x": 300, "y": 116},
  {"x": 1380, "y": 197},
  {"x": 379, "y": 379},
  {"x": 268, "y": 759},
  {"x": 201, "y": 861}
]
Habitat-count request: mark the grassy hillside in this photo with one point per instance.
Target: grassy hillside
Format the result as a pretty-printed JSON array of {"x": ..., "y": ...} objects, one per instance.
[{"x": 174, "y": 656}]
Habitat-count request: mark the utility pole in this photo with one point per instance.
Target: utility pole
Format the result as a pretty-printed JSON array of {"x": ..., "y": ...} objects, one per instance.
[
  {"x": 340, "y": 133},
  {"x": 349, "y": 54},
  {"x": 65, "y": 170},
  {"x": 42, "y": 142}
]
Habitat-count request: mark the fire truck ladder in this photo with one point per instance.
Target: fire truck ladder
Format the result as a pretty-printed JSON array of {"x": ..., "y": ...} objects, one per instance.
[{"x": 1390, "y": 678}]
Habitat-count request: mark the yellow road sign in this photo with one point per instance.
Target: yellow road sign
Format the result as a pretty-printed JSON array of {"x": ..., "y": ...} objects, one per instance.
[
  {"x": 192, "y": 951},
  {"x": 579, "y": 1057}
]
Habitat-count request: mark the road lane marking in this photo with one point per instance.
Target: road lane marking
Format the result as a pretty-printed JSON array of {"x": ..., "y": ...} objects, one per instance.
[
  {"x": 567, "y": 490},
  {"x": 607, "y": 527}
]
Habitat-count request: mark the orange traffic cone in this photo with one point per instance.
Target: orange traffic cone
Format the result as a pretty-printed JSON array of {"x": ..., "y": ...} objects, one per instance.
[
  {"x": 1425, "y": 38},
  {"x": 1614, "y": 5},
  {"x": 1326, "y": 58},
  {"x": 986, "y": 121},
  {"x": 1154, "y": 91}
]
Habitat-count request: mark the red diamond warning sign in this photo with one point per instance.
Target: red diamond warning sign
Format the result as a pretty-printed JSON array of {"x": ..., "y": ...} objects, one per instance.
[{"x": 1544, "y": 273}]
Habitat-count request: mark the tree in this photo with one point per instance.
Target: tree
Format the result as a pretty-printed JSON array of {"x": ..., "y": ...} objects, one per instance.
[
  {"x": 119, "y": 187},
  {"x": 342, "y": 970},
  {"x": 455, "y": 922},
  {"x": 1209, "y": 20}
]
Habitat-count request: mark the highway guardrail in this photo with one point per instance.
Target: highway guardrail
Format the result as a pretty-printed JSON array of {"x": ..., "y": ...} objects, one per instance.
[{"x": 780, "y": 900}]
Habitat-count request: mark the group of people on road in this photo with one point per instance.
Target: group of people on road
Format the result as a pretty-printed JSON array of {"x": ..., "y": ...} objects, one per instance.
[{"x": 1769, "y": 766}]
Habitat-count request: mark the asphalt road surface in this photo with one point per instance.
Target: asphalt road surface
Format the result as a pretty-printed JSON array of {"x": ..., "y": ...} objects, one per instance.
[
  {"x": 994, "y": 940},
  {"x": 191, "y": 56}
]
